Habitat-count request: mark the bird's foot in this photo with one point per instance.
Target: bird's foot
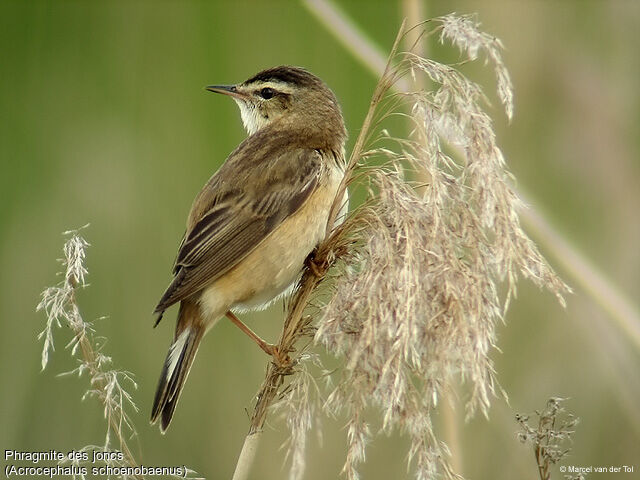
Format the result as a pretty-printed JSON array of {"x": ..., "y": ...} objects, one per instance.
[
  {"x": 317, "y": 267},
  {"x": 280, "y": 358}
]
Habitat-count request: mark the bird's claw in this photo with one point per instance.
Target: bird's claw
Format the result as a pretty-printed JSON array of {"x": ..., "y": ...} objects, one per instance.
[
  {"x": 317, "y": 268},
  {"x": 280, "y": 358}
]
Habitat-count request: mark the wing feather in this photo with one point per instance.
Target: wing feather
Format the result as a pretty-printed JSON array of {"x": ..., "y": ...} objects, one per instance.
[{"x": 236, "y": 221}]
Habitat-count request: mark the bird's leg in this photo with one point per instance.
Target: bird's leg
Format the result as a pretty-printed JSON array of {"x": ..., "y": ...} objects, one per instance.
[{"x": 268, "y": 348}]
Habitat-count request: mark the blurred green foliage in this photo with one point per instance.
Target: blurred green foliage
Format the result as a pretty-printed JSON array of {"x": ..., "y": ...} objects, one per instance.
[{"x": 104, "y": 120}]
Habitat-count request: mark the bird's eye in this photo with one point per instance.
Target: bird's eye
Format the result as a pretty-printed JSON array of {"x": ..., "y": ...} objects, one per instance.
[{"x": 266, "y": 93}]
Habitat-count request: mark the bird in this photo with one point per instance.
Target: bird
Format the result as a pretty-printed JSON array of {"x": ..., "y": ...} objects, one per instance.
[{"x": 258, "y": 218}]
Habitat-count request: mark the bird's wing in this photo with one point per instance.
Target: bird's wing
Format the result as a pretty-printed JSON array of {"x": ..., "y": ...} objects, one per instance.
[{"x": 228, "y": 222}]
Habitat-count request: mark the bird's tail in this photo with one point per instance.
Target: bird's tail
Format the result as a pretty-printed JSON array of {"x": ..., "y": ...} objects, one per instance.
[{"x": 189, "y": 332}]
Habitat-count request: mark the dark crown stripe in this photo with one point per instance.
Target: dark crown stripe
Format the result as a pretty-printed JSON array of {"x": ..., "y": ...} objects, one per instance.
[{"x": 290, "y": 75}]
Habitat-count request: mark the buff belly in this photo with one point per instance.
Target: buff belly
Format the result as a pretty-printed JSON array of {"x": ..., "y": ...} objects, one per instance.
[{"x": 275, "y": 265}]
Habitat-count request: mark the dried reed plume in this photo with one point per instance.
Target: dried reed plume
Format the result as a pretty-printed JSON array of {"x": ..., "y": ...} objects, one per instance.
[
  {"x": 410, "y": 281},
  {"x": 61, "y": 306},
  {"x": 109, "y": 386},
  {"x": 554, "y": 430}
]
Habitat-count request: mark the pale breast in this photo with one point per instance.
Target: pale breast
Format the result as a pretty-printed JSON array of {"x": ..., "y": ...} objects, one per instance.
[{"x": 275, "y": 265}]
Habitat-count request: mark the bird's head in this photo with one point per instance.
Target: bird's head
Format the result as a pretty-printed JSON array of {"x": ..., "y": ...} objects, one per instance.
[{"x": 291, "y": 96}]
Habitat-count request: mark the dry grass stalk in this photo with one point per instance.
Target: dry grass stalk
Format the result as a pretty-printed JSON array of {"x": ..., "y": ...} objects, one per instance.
[
  {"x": 554, "y": 430},
  {"x": 109, "y": 386},
  {"x": 413, "y": 300}
]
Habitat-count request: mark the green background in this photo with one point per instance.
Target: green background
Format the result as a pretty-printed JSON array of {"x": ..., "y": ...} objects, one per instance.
[{"x": 104, "y": 120}]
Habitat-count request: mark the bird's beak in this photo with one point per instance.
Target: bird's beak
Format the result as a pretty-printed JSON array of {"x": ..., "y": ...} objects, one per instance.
[{"x": 230, "y": 90}]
